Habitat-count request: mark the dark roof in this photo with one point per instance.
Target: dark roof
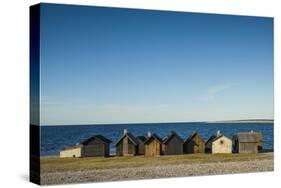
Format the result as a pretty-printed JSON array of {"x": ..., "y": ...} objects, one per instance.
[
  {"x": 214, "y": 138},
  {"x": 169, "y": 137},
  {"x": 165, "y": 138},
  {"x": 249, "y": 137},
  {"x": 210, "y": 139},
  {"x": 130, "y": 136},
  {"x": 94, "y": 137},
  {"x": 153, "y": 136},
  {"x": 141, "y": 138},
  {"x": 191, "y": 137}
]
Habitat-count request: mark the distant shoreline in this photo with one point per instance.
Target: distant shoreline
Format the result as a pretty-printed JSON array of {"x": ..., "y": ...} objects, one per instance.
[
  {"x": 244, "y": 121},
  {"x": 195, "y": 122}
]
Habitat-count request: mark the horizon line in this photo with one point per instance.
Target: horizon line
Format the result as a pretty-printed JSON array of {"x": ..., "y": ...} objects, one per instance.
[{"x": 167, "y": 122}]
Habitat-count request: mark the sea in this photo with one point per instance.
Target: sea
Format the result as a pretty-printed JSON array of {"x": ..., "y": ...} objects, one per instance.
[{"x": 54, "y": 138}]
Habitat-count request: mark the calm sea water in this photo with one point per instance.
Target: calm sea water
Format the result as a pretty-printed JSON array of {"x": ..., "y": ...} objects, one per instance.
[{"x": 54, "y": 138}]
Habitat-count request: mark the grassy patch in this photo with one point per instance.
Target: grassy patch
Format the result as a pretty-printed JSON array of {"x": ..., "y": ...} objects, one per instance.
[{"x": 53, "y": 164}]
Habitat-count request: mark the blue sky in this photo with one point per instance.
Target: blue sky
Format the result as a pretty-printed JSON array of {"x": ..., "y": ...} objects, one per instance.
[{"x": 105, "y": 65}]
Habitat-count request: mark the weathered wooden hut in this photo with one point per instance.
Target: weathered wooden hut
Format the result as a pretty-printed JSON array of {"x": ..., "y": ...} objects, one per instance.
[
  {"x": 95, "y": 146},
  {"x": 127, "y": 145},
  {"x": 247, "y": 142},
  {"x": 172, "y": 144},
  {"x": 218, "y": 144},
  {"x": 141, "y": 140},
  {"x": 194, "y": 144},
  {"x": 153, "y": 145}
]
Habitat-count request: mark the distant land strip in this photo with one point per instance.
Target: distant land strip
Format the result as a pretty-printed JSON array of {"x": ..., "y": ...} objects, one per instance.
[{"x": 244, "y": 121}]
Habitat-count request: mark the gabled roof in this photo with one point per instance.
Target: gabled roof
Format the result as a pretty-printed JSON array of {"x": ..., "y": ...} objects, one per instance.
[
  {"x": 131, "y": 137},
  {"x": 142, "y": 138},
  {"x": 169, "y": 137},
  {"x": 102, "y": 138},
  {"x": 249, "y": 137},
  {"x": 214, "y": 138},
  {"x": 153, "y": 136},
  {"x": 192, "y": 136}
]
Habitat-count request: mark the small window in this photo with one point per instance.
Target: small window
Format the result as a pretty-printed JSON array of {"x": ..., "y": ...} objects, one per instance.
[{"x": 221, "y": 141}]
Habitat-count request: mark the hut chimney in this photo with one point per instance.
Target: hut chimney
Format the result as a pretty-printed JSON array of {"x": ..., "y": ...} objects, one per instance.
[
  {"x": 125, "y": 131},
  {"x": 252, "y": 131},
  {"x": 149, "y": 134},
  {"x": 218, "y": 133}
]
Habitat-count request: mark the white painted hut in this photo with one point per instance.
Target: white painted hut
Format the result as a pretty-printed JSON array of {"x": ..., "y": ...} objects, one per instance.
[
  {"x": 95, "y": 146},
  {"x": 218, "y": 144}
]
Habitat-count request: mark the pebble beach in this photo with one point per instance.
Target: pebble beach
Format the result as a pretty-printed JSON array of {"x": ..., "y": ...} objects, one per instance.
[{"x": 160, "y": 170}]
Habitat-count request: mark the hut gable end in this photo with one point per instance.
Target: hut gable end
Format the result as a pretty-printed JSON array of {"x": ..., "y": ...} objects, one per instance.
[
  {"x": 127, "y": 145},
  {"x": 172, "y": 145},
  {"x": 130, "y": 137},
  {"x": 218, "y": 144},
  {"x": 194, "y": 144},
  {"x": 222, "y": 144},
  {"x": 152, "y": 146}
]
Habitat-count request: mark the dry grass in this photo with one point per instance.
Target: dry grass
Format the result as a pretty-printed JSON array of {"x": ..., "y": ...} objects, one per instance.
[{"x": 56, "y": 164}]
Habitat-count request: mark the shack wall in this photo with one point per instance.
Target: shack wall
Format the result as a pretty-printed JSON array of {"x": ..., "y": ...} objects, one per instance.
[
  {"x": 141, "y": 148},
  {"x": 208, "y": 147},
  {"x": 74, "y": 152},
  {"x": 174, "y": 147},
  {"x": 246, "y": 147},
  {"x": 119, "y": 149},
  {"x": 94, "y": 148},
  {"x": 222, "y": 145},
  {"x": 152, "y": 149},
  {"x": 131, "y": 149},
  {"x": 126, "y": 148},
  {"x": 196, "y": 145}
]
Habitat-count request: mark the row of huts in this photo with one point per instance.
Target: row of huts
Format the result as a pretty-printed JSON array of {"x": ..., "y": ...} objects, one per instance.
[{"x": 173, "y": 144}]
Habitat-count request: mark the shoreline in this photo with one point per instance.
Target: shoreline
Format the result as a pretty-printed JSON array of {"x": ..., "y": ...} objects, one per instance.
[
  {"x": 260, "y": 122},
  {"x": 176, "y": 122}
]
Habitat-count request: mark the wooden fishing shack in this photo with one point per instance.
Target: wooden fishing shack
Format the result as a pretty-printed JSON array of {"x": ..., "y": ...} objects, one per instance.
[
  {"x": 127, "y": 145},
  {"x": 247, "y": 142},
  {"x": 153, "y": 145},
  {"x": 218, "y": 144},
  {"x": 172, "y": 144},
  {"x": 194, "y": 144},
  {"x": 95, "y": 146}
]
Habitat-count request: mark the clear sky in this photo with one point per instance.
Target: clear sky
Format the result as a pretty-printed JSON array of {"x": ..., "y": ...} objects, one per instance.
[{"x": 108, "y": 65}]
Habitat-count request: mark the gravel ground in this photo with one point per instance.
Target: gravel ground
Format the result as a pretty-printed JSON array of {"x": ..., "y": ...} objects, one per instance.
[{"x": 133, "y": 173}]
